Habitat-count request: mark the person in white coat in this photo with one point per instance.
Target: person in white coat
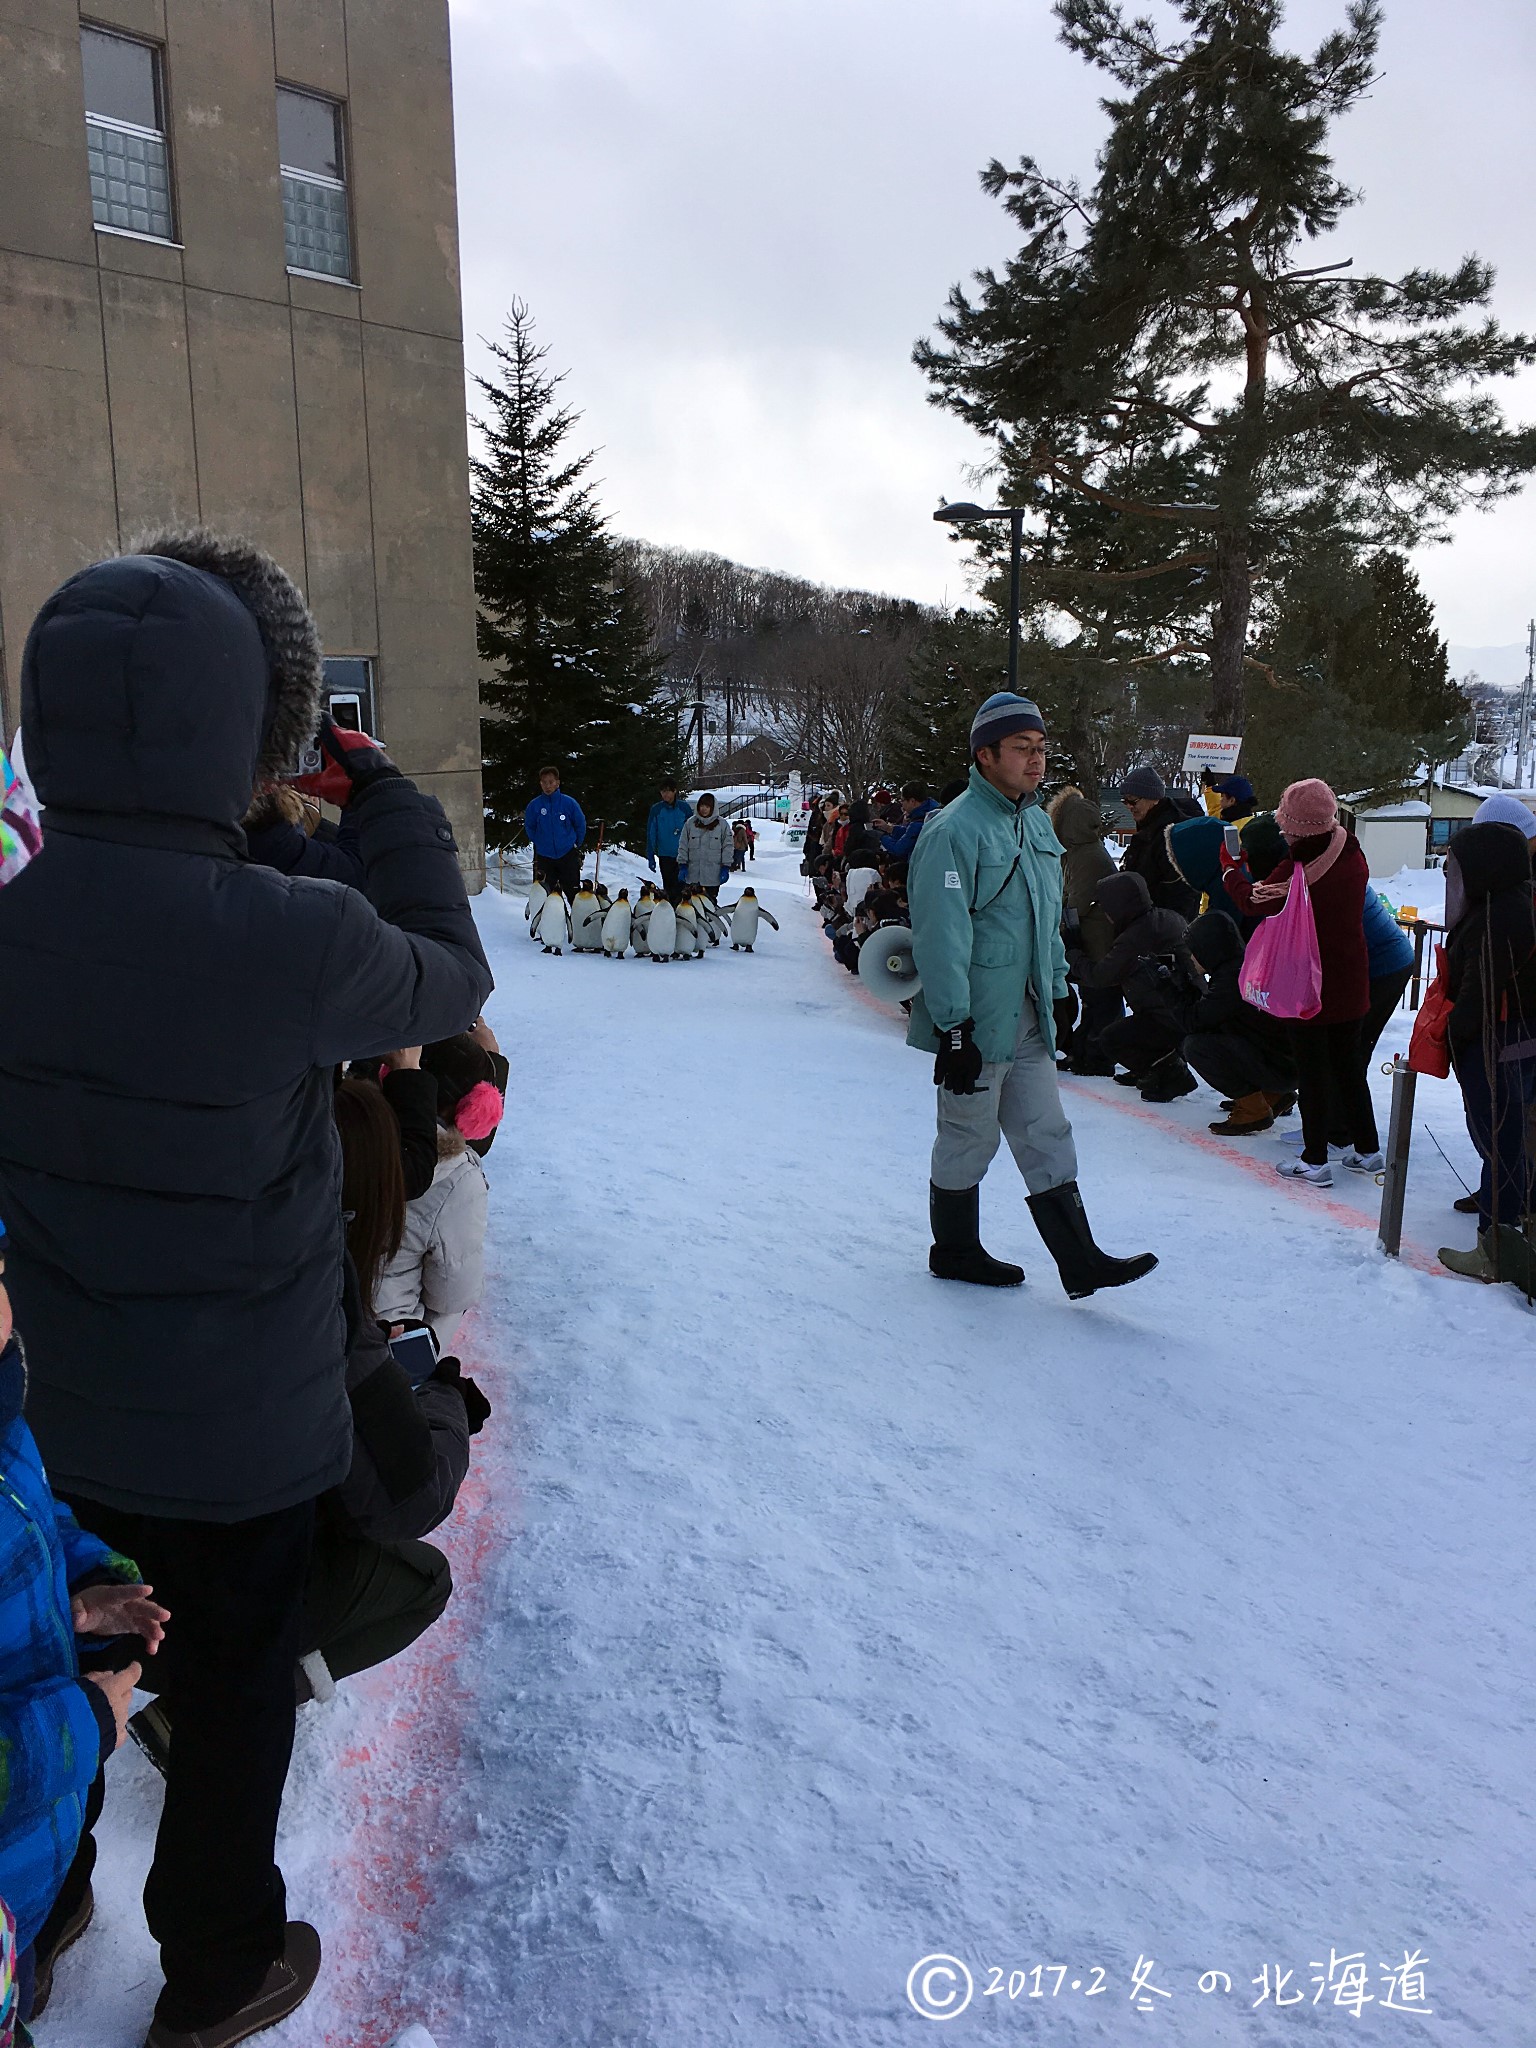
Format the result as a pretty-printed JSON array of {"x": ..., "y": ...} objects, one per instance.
[{"x": 439, "y": 1269}]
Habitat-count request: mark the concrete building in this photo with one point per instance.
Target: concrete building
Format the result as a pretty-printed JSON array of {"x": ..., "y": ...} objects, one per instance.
[{"x": 229, "y": 292}]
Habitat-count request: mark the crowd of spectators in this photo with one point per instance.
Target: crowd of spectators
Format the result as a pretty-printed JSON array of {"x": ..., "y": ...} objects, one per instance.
[
  {"x": 245, "y": 1092},
  {"x": 1156, "y": 942}
]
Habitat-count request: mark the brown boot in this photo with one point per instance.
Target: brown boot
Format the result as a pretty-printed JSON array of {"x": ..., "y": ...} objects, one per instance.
[
  {"x": 1248, "y": 1114},
  {"x": 1281, "y": 1100},
  {"x": 286, "y": 1986}
]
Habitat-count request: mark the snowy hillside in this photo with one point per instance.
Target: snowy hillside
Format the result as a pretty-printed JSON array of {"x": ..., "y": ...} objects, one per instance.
[{"x": 816, "y": 1616}]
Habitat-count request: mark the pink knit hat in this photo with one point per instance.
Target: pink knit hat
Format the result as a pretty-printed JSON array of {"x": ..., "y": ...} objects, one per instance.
[{"x": 1306, "y": 809}]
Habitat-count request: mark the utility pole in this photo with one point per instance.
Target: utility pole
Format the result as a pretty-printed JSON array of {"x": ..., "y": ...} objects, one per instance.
[{"x": 1527, "y": 691}]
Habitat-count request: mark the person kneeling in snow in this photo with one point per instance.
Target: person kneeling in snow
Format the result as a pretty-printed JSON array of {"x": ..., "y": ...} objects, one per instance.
[
  {"x": 985, "y": 889},
  {"x": 1149, "y": 963}
]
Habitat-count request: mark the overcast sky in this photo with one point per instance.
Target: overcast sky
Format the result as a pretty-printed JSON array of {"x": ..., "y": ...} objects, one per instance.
[{"x": 732, "y": 218}]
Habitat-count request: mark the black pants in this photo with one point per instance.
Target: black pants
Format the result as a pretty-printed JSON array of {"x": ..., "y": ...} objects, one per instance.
[
  {"x": 367, "y": 1601},
  {"x": 1329, "y": 1071},
  {"x": 667, "y": 862},
  {"x": 215, "y": 1899},
  {"x": 563, "y": 874},
  {"x": 1386, "y": 994},
  {"x": 1139, "y": 1042},
  {"x": 1235, "y": 1066}
]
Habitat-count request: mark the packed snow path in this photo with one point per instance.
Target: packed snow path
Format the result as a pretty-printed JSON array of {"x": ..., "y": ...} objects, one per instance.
[{"x": 817, "y": 1616}]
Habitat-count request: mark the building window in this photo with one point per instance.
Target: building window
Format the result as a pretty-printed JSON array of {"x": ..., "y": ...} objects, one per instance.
[
  {"x": 125, "y": 134},
  {"x": 309, "y": 140},
  {"x": 349, "y": 692}
]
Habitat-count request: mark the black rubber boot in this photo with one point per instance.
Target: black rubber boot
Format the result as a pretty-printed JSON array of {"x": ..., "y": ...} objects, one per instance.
[
  {"x": 1063, "y": 1223},
  {"x": 956, "y": 1254},
  {"x": 1168, "y": 1080}
]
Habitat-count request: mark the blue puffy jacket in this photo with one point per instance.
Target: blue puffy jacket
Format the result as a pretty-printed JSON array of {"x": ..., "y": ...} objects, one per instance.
[
  {"x": 899, "y": 844},
  {"x": 55, "y": 1730},
  {"x": 1388, "y": 948},
  {"x": 662, "y": 828},
  {"x": 555, "y": 825}
]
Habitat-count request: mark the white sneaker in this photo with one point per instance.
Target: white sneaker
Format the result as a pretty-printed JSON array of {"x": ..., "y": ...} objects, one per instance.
[
  {"x": 1298, "y": 1169},
  {"x": 1364, "y": 1162}
]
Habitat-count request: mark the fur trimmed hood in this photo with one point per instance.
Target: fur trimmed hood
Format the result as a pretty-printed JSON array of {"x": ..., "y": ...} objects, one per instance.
[
  {"x": 289, "y": 635},
  {"x": 168, "y": 684}
]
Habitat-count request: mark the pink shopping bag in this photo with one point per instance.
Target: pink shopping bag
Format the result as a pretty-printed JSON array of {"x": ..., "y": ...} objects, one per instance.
[{"x": 1282, "y": 969}]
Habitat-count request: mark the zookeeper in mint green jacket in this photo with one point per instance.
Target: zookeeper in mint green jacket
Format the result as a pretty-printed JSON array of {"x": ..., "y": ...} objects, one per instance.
[{"x": 985, "y": 890}]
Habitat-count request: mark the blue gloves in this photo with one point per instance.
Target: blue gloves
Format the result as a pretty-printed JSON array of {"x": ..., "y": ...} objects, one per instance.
[
  {"x": 650, "y": 861},
  {"x": 725, "y": 874},
  {"x": 682, "y": 873}
]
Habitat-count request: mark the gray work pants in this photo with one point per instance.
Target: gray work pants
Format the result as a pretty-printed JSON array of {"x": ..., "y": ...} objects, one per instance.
[{"x": 1022, "y": 1104}]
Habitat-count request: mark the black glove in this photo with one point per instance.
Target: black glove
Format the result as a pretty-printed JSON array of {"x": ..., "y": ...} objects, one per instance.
[
  {"x": 450, "y": 1373},
  {"x": 958, "y": 1066},
  {"x": 1064, "y": 1010}
]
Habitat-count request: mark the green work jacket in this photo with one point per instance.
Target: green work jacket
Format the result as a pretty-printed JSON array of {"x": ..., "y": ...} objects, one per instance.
[{"x": 985, "y": 890}]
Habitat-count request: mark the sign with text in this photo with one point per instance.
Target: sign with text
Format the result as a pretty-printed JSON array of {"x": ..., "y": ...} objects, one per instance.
[{"x": 1210, "y": 750}]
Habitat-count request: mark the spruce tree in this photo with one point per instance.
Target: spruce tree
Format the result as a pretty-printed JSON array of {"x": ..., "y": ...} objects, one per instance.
[
  {"x": 1186, "y": 401},
  {"x": 573, "y": 681},
  {"x": 1368, "y": 702}
]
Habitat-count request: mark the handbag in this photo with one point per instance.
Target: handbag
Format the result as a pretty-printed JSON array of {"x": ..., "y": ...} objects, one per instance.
[
  {"x": 1282, "y": 972},
  {"x": 1429, "y": 1048}
]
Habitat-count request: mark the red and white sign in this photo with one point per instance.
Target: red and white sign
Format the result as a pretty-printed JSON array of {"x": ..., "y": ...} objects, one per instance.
[{"x": 1211, "y": 750}]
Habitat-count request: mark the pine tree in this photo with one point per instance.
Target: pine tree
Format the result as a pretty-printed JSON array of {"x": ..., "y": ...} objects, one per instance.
[
  {"x": 1369, "y": 703},
  {"x": 574, "y": 684},
  {"x": 1186, "y": 404}
]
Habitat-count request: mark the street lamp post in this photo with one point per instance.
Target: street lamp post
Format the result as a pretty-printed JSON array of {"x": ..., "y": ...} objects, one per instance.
[{"x": 961, "y": 515}]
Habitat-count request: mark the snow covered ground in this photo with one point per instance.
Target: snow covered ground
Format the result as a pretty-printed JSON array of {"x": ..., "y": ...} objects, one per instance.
[{"x": 816, "y": 1617}]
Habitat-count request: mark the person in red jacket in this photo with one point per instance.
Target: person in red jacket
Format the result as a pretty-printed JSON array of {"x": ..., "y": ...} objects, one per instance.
[{"x": 1329, "y": 1070}]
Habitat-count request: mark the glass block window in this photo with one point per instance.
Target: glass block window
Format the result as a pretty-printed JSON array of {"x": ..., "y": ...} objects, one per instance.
[
  {"x": 125, "y": 134},
  {"x": 315, "y": 229}
]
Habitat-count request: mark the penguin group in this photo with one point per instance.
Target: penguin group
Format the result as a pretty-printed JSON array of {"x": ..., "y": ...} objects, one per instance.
[{"x": 651, "y": 927}]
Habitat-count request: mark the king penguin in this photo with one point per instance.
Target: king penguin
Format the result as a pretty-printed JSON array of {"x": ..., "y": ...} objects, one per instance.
[
  {"x": 616, "y": 927},
  {"x": 745, "y": 912},
  {"x": 552, "y": 927},
  {"x": 661, "y": 932},
  {"x": 586, "y": 921}
]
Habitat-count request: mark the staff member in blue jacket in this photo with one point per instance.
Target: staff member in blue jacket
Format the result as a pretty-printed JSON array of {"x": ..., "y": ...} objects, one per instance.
[
  {"x": 557, "y": 830},
  {"x": 662, "y": 830},
  {"x": 985, "y": 892}
]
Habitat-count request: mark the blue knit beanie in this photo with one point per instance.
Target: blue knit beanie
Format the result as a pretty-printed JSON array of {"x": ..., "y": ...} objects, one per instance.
[{"x": 1002, "y": 714}]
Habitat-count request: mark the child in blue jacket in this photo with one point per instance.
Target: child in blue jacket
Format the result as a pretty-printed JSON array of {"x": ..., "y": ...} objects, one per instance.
[{"x": 57, "y": 1728}]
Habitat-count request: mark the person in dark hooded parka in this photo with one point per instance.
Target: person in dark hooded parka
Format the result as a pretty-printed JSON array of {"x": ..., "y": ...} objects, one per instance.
[
  {"x": 1149, "y": 962},
  {"x": 1490, "y": 960},
  {"x": 1242, "y": 1053},
  {"x": 170, "y": 1174}
]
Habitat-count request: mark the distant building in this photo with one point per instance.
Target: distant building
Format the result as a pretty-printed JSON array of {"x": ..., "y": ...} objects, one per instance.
[{"x": 229, "y": 292}]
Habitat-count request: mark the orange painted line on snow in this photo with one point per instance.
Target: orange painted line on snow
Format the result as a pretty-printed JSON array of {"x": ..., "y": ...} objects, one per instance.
[
  {"x": 1261, "y": 1170},
  {"x": 397, "y": 1779}
]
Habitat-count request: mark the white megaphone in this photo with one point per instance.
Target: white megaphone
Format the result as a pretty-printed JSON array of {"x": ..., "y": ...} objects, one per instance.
[{"x": 886, "y": 966}]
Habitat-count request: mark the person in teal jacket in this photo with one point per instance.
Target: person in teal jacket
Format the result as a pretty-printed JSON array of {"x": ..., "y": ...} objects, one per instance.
[
  {"x": 663, "y": 828},
  {"x": 985, "y": 892}
]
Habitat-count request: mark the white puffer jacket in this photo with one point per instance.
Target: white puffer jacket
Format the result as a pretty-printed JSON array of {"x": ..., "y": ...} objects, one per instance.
[{"x": 440, "y": 1267}]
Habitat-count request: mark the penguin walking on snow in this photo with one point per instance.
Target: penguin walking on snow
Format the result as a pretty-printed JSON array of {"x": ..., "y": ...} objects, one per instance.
[
  {"x": 689, "y": 945},
  {"x": 661, "y": 932},
  {"x": 586, "y": 921},
  {"x": 552, "y": 927},
  {"x": 531, "y": 909},
  {"x": 640, "y": 919},
  {"x": 616, "y": 927},
  {"x": 745, "y": 912}
]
